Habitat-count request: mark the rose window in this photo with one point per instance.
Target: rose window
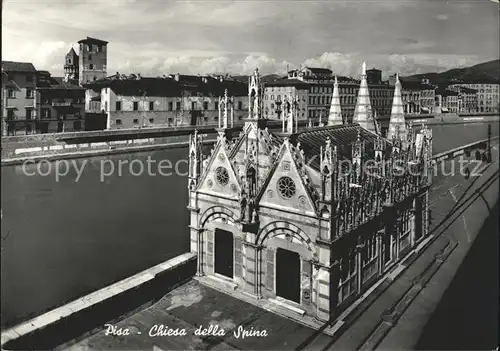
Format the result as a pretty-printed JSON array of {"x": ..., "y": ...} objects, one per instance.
[
  {"x": 221, "y": 176},
  {"x": 286, "y": 187}
]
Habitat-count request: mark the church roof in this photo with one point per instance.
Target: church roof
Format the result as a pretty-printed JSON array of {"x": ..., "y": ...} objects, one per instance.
[{"x": 342, "y": 136}]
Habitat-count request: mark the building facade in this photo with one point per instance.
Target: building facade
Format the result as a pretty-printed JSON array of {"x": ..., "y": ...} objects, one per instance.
[
  {"x": 276, "y": 92},
  {"x": 18, "y": 98},
  {"x": 275, "y": 218},
  {"x": 488, "y": 95},
  {"x": 92, "y": 60},
  {"x": 467, "y": 99},
  {"x": 60, "y": 105},
  {"x": 139, "y": 102},
  {"x": 446, "y": 101}
]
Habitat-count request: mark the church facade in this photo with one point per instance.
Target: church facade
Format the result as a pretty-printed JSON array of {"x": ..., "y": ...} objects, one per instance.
[{"x": 308, "y": 220}]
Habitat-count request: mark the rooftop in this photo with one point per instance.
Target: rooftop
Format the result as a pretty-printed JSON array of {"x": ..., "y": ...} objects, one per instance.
[
  {"x": 342, "y": 136},
  {"x": 168, "y": 86},
  {"x": 13, "y": 66},
  {"x": 56, "y": 83},
  {"x": 90, "y": 40}
]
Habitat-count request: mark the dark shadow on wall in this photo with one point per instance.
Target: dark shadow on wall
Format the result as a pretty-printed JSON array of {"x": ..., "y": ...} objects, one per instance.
[{"x": 467, "y": 316}]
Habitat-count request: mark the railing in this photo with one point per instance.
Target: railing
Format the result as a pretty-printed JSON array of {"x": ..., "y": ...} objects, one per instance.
[{"x": 462, "y": 149}]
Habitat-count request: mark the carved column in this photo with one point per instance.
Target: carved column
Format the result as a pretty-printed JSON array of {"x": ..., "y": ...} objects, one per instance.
[
  {"x": 359, "y": 268},
  {"x": 380, "y": 245},
  {"x": 413, "y": 210},
  {"x": 200, "y": 245},
  {"x": 323, "y": 305}
]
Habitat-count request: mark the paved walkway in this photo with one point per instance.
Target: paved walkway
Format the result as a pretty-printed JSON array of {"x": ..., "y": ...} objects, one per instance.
[
  {"x": 406, "y": 333},
  {"x": 193, "y": 305}
]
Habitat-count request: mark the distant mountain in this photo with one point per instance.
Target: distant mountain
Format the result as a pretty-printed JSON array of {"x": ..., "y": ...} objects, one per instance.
[{"x": 488, "y": 72}]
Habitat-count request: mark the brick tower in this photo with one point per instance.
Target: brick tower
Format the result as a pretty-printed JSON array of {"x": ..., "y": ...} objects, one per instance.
[{"x": 92, "y": 60}]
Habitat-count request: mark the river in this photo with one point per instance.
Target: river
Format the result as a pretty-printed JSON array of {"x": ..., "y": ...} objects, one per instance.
[{"x": 67, "y": 238}]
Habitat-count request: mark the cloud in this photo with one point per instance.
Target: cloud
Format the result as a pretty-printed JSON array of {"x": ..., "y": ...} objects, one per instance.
[{"x": 192, "y": 36}]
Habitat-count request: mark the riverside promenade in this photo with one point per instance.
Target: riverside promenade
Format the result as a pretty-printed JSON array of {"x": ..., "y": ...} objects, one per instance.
[{"x": 458, "y": 206}]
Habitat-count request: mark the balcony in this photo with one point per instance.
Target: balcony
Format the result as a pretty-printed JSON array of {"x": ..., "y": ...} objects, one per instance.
[{"x": 61, "y": 104}]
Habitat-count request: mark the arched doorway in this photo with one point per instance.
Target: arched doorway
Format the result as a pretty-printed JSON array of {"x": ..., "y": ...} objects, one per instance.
[
  {"x": 224, "y": 250},
  {"x": 288, "y": 275}
]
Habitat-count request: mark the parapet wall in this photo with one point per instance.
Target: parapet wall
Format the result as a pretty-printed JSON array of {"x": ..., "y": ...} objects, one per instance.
[{"x": 81, "y": 317}]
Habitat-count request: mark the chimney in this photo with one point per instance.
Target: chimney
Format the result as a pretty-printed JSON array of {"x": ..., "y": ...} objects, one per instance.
[
  {"x": 221, "y": 79},
  {"x": 138, "y": 76},
  {"x": 177, "y": 77}
]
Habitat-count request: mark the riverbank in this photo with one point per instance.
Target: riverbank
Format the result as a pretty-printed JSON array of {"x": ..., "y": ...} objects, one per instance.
[{"x": 102, "y": 149}]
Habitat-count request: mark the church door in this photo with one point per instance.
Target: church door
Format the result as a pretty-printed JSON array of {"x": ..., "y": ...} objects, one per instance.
[
  {"x": 224, "y": 253},
  {"x": 288, "y": 275}
]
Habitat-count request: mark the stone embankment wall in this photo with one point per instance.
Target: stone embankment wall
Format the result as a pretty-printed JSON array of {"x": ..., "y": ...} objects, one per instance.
[
  {"x": 51, "y": 149},
  {"x": 91, "y": 312}
]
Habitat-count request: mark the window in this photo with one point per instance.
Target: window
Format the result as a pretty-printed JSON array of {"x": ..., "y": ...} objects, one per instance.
[
  {"x": 90, "y": 57},
  {"x": 193, "y": 105},
  {"x": 29, "y": 93},
  {"x": 29, "y": 113},
  {"x": 10, "y": 114},
  {"x": 136, "y": 105},
  {"x": 95, "y": 78},
  {"x": 136, "y": 121},
  {"x": 11, "y": 93},
  {"x": 151, "y": 120},
  {"x": 98, "y": 48},
  {"x": 170, "y": 105},
  {"x": 217, "y": 105},
  {"x": 118, "y": 106},
  {"x": 178, "y": 105},
  {"x": 77, "y": 125},
  {"x": 205, "y": 105},
  {"x": 240, "y": 105},
  {"x": 118, "y": 122},
  {"x": 272, "y": 97},
  {"x": 29, "y": 78},
  {"x": 46, "y": 113},
  {"x": 151, "y": 105}
]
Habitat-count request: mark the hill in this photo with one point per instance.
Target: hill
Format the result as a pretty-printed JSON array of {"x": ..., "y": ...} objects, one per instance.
[{"x": 487, "y": 72}]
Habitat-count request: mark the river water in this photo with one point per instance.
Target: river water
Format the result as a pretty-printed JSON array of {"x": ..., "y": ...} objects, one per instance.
[{"x": 65, "y": 238}]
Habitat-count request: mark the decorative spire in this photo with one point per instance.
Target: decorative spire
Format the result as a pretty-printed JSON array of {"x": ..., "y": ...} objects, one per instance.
[
  {"x": 363, "y": 110},
  {"x": 335, "y": 116},
  {"x": 397, "y": 121}
]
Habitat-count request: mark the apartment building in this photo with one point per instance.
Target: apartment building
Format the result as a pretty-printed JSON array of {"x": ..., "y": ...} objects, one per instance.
[
  {"x": 60, "y": 105},
  {"x": 180, "y": 100},
  {"x": 18, "y": 98},
  {"x": 488, "y": 95},
  {"x": 275, "y": 93},
  {"x": 446, "y": 101}
]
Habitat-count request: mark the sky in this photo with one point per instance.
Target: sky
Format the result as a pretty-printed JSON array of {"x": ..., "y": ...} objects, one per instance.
[{"x": 155, "y": 37}]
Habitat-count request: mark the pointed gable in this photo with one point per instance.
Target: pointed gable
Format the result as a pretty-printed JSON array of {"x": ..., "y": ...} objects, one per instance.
[
  {"x": 397, "y": 123},
  {"x": 363, "y": 114},
  {"x": 335, "y": 115},
  {"x": 219, "y": 177},
  {"x": 285, "y": 187}
]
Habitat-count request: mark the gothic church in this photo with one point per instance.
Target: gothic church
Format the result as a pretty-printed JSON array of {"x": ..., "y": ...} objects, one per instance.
[{"x": 308, "y": 220}]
